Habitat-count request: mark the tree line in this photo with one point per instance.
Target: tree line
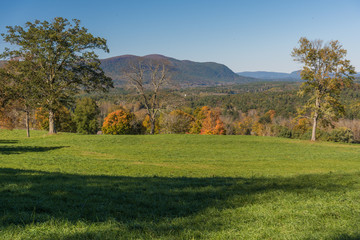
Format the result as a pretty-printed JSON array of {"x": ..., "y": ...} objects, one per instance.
[{"x": 91, "y": 117}]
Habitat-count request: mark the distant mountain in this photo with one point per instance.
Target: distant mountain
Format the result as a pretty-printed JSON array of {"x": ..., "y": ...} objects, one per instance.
[
  {"x": 273, "y": 76},
  {"x": 296, "y": 74},
  {"x": 184, "y": 72}
]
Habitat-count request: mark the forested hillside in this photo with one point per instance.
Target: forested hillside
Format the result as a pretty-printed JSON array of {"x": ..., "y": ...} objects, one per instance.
[{"x": 186, "y": 73}]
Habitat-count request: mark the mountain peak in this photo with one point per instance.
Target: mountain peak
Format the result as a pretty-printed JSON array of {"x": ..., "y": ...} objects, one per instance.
[{"x": 156, "y": 56}]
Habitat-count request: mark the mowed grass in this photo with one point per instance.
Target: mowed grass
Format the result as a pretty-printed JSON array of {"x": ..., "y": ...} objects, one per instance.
[{"x": 70, "y": 186}]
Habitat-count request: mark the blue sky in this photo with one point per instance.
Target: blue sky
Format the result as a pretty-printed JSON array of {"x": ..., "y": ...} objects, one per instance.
[{"x": 244, "y": 35}]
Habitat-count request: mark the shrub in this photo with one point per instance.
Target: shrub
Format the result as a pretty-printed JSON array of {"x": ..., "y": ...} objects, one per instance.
[
  {"x": 320, "y": 135},
  {"x": 341, "y": 135},
  {"x": 282, "y": 131},
  {"x": 118, "y": 122},
  {"x": 301, "y": 128},
  {"x": 177, "y": 121},
  {"x": 354, "y": 125}
]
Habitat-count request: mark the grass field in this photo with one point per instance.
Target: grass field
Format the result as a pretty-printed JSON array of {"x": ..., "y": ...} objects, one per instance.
[{"x": 70, "y": 186}]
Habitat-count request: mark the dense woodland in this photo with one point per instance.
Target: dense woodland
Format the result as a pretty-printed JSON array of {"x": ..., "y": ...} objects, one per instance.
[{"x": 263, "y": 109}]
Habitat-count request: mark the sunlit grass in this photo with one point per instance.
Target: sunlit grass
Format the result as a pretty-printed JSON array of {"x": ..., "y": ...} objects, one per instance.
[{"x": 70, "y": 186}]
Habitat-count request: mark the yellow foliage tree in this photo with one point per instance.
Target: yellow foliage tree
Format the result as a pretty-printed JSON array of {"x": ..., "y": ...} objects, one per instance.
[
  {"x": 148, "y": 126},
  {"x": 244, "y": 127}
]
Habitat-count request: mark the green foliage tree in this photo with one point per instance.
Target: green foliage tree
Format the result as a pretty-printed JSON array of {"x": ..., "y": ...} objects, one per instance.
[
  {"x": 85, "y": 116},
  {"x": 64, "y": 58},
  {"x": 326, "y": 72}
]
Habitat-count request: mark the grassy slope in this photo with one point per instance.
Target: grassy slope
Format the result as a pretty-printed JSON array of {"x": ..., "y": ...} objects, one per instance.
[{"x": 177, "y": 186}]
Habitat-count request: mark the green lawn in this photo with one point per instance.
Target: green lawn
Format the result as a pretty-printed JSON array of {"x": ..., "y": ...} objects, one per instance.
[{"x": 70, "y": 186}]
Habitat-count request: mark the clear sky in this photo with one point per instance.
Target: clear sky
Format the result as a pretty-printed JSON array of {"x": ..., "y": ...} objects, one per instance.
[{"x": 251, "y": 35}]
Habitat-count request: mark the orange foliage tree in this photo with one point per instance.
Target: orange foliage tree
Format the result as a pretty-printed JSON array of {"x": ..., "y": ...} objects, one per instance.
[
  {"x": 211, "y": 124},
  {"x": 118, "y": 122}
]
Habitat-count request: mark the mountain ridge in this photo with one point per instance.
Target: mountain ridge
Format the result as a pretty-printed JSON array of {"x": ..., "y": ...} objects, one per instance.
[{"x": 184, "y": 72}]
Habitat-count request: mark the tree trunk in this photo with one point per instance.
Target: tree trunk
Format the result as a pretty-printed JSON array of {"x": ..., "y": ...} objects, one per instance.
[
  {"x": 313, "y": 135},
  {"x": 152, "y": 126},
  {"x": 27, "y": 123},
  {"x": 316, "y": 116},
  {"x": 52, "y": 128}
]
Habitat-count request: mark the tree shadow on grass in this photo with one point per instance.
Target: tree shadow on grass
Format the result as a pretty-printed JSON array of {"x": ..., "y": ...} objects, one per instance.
[
  {"x": 138, "y": 203},
  {"x": 8, "y": 141},
  {"x": 347, "y": 237},
  {"x": 7, "y": 150}
]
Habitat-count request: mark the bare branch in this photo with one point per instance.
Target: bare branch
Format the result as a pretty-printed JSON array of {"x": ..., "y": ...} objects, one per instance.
[{"x": 147, "y": 78}]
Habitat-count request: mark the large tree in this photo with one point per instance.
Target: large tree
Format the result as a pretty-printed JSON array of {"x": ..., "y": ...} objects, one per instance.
[
  {"x": 63, "y": 53},
  {"x": 148, "y": 77},
  {"x": 326, "y": 72}
]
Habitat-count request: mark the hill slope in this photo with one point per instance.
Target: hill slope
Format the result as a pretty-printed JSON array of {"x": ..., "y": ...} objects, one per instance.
[
  {"x": 294, "y": 76},
  {"x": 184, "y": 72}
]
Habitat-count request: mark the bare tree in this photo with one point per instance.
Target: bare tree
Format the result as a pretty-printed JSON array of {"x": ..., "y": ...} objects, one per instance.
[{"x": 148, "y": 78}]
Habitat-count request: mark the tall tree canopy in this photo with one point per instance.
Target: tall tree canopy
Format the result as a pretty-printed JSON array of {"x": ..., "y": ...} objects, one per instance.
[
  {"x": 63, "y": 53},
  {"x": 326, "y": 72}
]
